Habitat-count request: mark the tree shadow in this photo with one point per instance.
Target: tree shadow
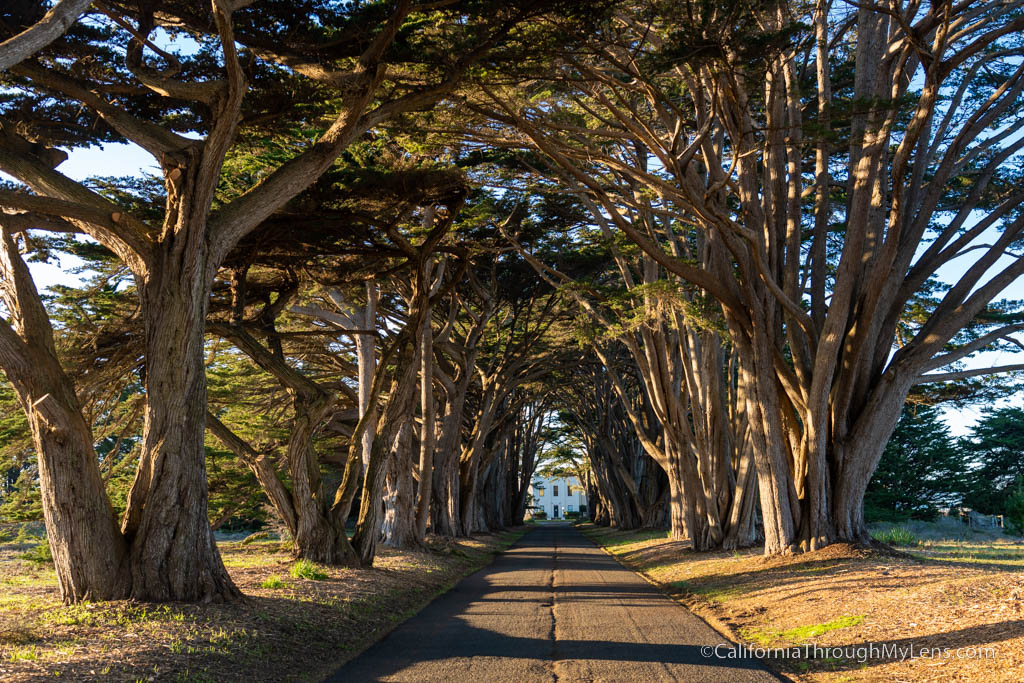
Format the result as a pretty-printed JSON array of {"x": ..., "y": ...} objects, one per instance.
[
  {"x": 966, "y": 639},
  {"x": 456, "y": 641}
]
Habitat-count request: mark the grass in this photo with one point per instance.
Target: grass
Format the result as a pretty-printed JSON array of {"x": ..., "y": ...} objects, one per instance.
[
  {"x": 1003, "y": 554},
  {"x": 954, "y": 543},
  {"x": 800, "y": 634},
  {"x": 274, "y": 582},
  {"x": 23, "y": 654},
  {"x": 622, "y": 544},
  {"x": 304, "y": 569}
]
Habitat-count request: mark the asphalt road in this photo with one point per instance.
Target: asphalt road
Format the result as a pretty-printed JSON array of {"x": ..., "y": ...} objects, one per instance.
[{"x": 554, "y": 607}]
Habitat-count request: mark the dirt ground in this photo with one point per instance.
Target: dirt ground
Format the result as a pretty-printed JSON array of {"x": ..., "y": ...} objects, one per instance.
[
  {"x": 288, "y": 629},
  {"x": 942, "y": 609}
]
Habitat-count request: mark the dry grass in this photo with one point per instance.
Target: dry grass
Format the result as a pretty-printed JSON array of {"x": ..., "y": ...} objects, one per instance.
[
  {"x": 288, "y": 628},
  {"x": 963, "y": 595}
]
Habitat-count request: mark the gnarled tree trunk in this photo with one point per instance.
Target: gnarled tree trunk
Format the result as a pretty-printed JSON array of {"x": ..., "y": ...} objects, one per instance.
[
  {"x": 179, "y": 560},
  {"x": 89, "y": 554}
]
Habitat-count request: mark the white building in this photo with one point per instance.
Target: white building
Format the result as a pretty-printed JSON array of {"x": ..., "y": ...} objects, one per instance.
[{"x": 557, "y": 496}]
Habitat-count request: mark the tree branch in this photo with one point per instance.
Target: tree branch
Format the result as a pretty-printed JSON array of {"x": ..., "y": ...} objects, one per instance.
[{"x": 48, "y": 29}]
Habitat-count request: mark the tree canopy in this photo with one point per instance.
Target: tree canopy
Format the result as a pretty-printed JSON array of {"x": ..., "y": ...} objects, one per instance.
[{"x": 392, "y": 256}]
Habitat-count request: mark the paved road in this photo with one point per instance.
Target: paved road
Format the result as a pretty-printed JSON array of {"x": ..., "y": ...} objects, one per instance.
[{"x": 554, "y": 607}]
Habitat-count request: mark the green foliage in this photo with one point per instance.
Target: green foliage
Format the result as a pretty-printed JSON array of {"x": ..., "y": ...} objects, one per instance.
[
  {"x": 801, "y": 633},
  {"x": 897, "y": 536},
  {"x": 1014, "y": 508},
  {"x": 17, "y": 469},
  {"x": 236, "y": 499},
  {"x": 256, "y": 537},
  {"x": 246, "y": 400},
  {"x": 920, "y": 470},
  {"x": 304, "y": 569},
  {"x": 994, "y": 449},
  {"x": 24, "y": 502},
  {"x": 40, "y": 554},
  {"x": 275, "y": 582}
]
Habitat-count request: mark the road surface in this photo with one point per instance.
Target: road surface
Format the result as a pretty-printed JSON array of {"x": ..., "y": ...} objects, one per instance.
[{"x": 554, "y": 607}]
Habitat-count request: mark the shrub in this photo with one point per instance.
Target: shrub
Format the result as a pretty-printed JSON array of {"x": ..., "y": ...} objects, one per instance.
[
  {"x": 304, "y": 569},
  {"x": 27, "y": 534},
  {"x": 897, "y": 536},
  {"x": 39, "y": 554},
  {"x": 258, "y": 536}
]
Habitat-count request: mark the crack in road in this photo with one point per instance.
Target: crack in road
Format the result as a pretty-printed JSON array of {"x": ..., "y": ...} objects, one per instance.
[{"x": 553, "y": 607}]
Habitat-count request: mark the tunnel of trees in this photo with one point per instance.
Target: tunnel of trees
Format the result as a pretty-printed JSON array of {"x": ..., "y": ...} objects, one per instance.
[{"x": 388, "y": 255}]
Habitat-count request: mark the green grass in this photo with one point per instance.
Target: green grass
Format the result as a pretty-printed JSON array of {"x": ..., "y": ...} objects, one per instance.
[
  {"x": 274, "y": 582},
  {"x": 800, "y": 633},
  {"x": 23, "y": 654},
  {"x": 304, "y": 569},
  {"x": 974, "y": 553},
  {"x": 897, "y": 536}
]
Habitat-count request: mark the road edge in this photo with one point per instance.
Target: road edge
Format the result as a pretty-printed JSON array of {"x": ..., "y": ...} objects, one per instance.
[
  {"x": 330, "y": 673},
  {"x": 696, "y": 609}
]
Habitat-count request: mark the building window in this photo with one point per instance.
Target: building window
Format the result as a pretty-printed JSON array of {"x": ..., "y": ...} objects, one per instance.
[{"x": 555, "y": 493}]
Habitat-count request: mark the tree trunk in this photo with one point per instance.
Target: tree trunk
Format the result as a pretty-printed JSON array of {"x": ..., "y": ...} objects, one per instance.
[
  {"x": 89, "y": 554},
  {"x": 366, "y": 355},
  {"x": 173, "y": 554},
  {"x": 679, "y": 515},
  {"x": 858, "y": 456},
  {"x": 399, "y": 524},
  {"x": 445, "y": 519},
  {"x": 426, "y": 459},
  {"x": 399, "y": 408},
  {"x": 319, "y": 537},
  {"x": 468, "y": 478}
]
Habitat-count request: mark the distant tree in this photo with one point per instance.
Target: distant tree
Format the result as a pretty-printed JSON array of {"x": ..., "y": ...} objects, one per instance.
[
  {"x": 1014, "y": 509},
  {"x": 15, "y": 444},
  {"x": 920, "y": 469},
  {"x": 995, "y": 447}
]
